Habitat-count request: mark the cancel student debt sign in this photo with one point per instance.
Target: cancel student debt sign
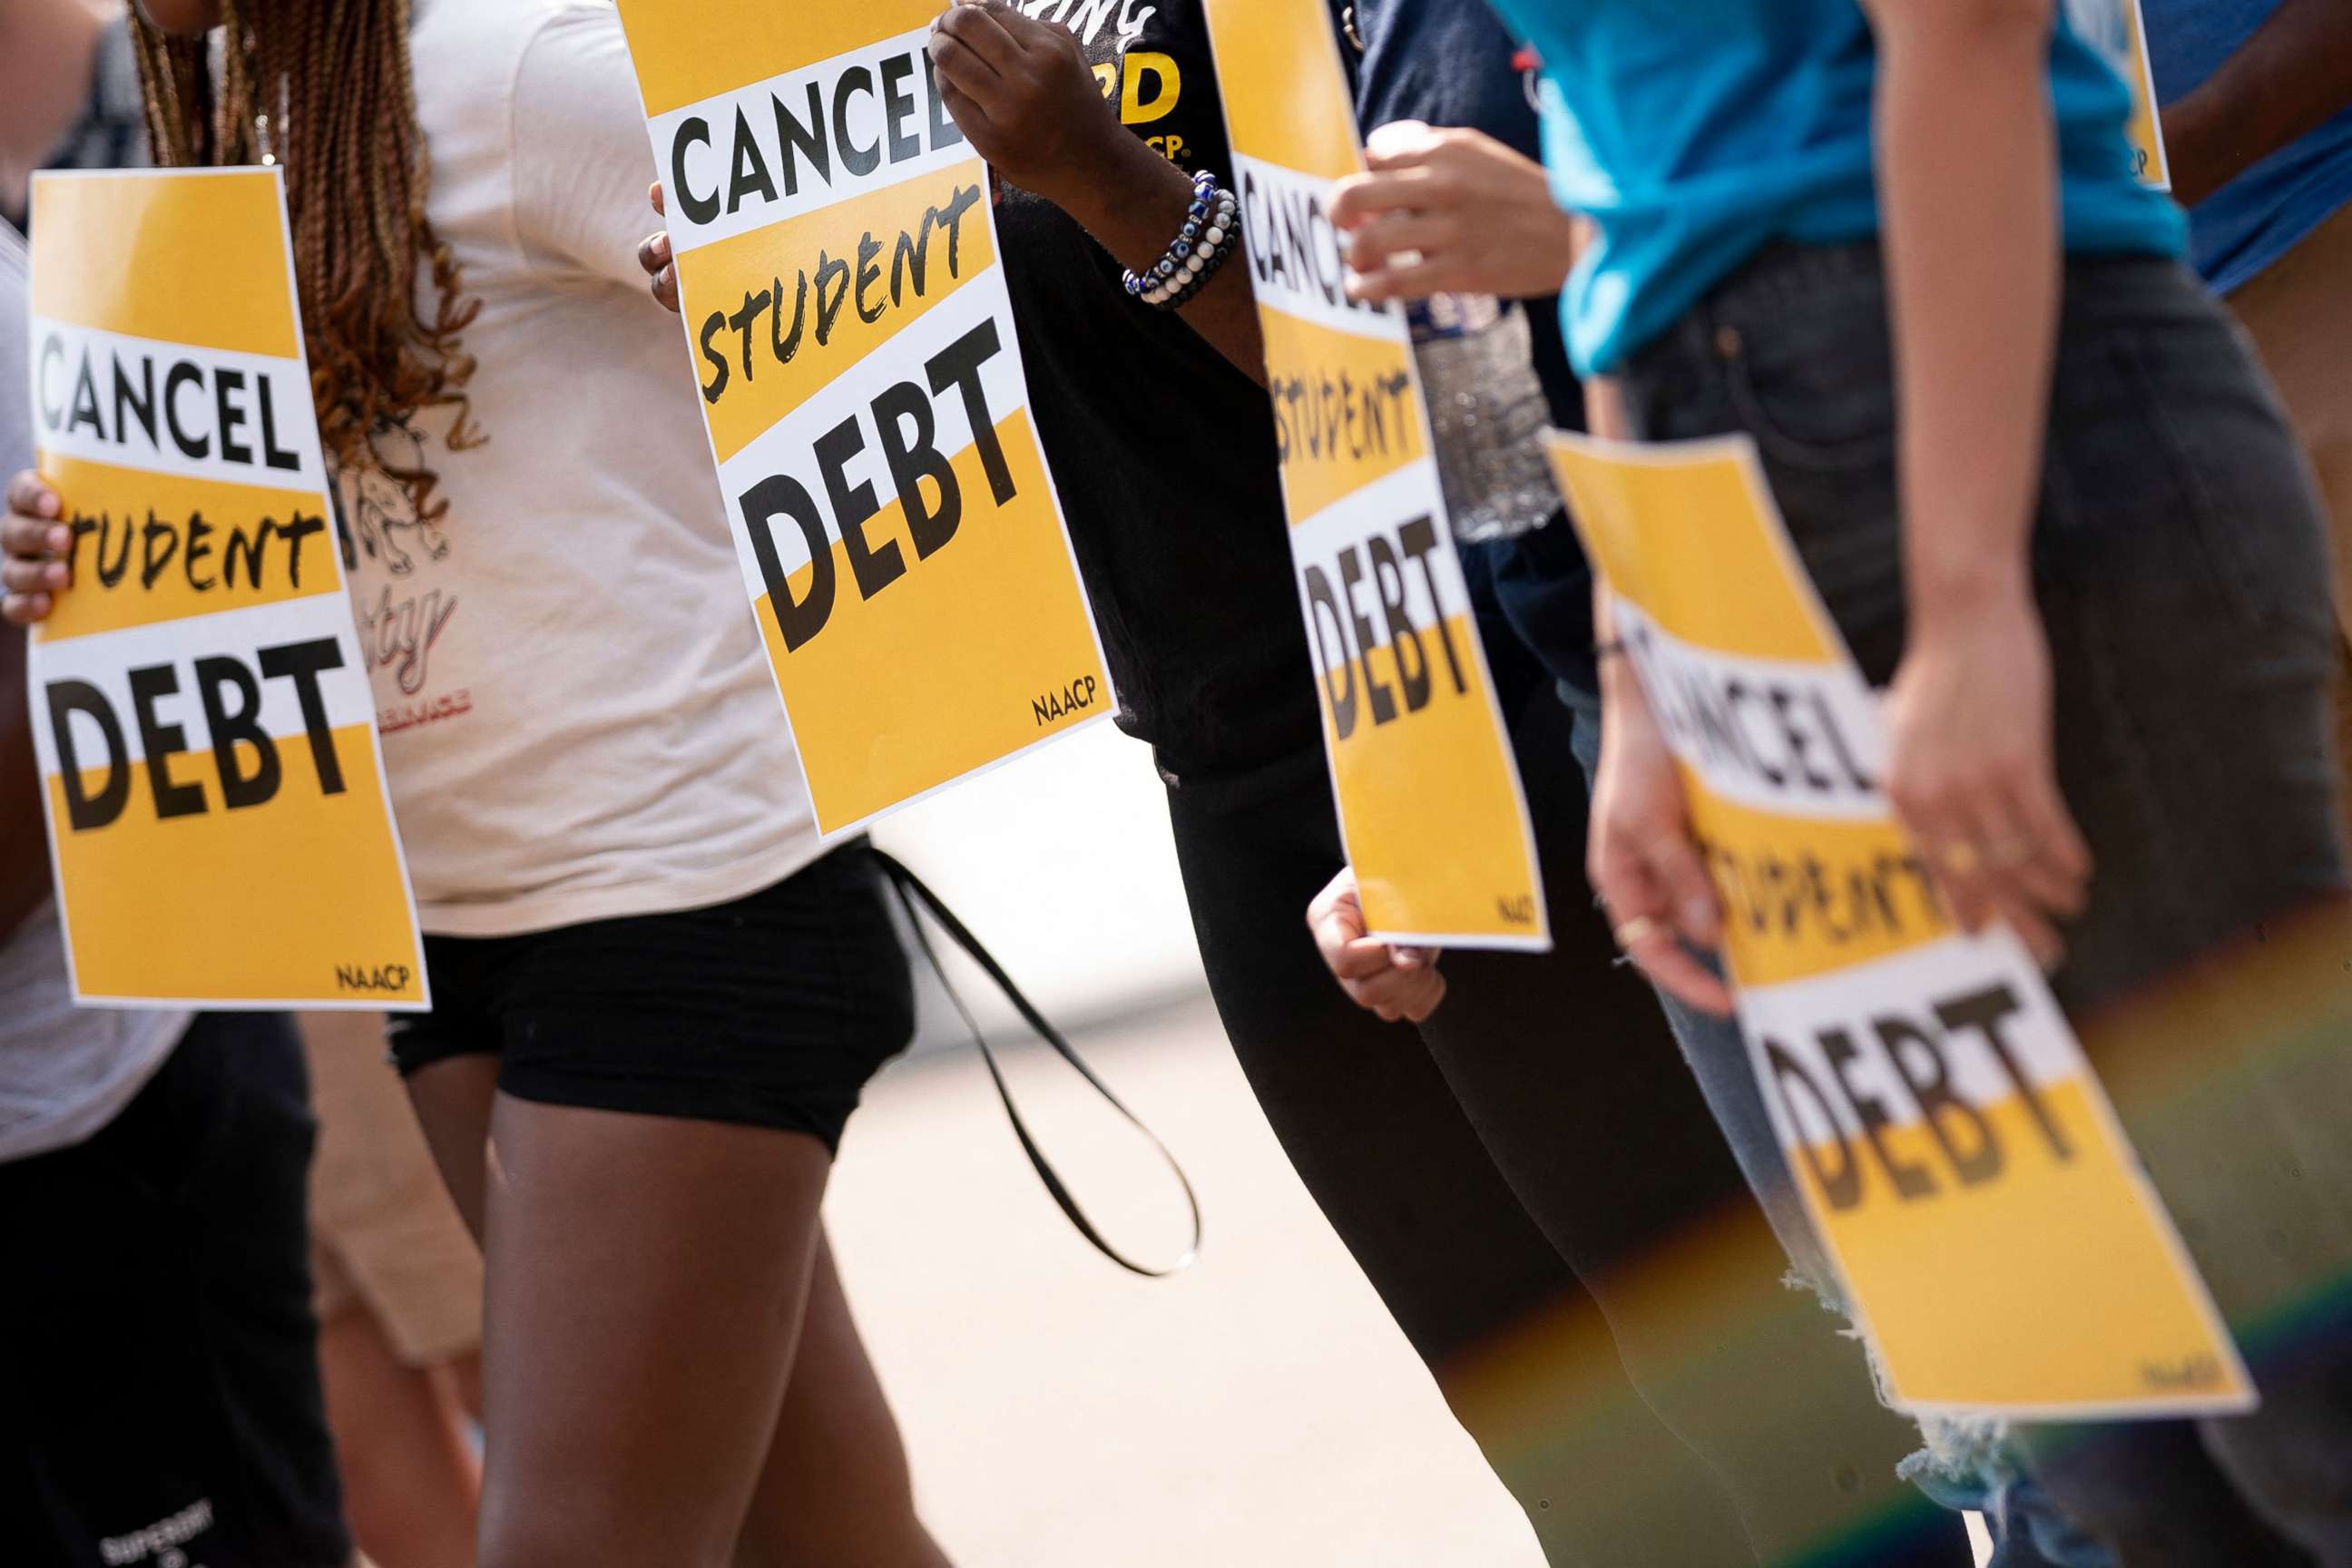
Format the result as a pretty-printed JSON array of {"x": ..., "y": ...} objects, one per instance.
[
  {"x": 837, "y": 270},
  {"x": 1998, "y": 1241},
  {"x": 216, "y": 797},
  {"x": 1429, "y": 796}
]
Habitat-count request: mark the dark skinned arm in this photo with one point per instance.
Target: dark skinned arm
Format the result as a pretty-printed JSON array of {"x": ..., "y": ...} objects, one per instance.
[
  {"x": 1021, "y": 94},
  {"x": 2290, "y": 77},
  {"x": 24, "y": 843}
]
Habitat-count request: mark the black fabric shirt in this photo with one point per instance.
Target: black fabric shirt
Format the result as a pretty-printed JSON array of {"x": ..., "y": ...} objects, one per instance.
[{"x": 1163, "y": 452}]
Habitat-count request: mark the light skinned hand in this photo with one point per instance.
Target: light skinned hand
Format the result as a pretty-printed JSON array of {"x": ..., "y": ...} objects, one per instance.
[
  {"x": 33, "y": 543},
  {"x": 1642, "y": 856},
  {"x": 1972, "y": 774},
  {"x": 1449, "y": 211},
  {"x": 1394, "y": 982}
]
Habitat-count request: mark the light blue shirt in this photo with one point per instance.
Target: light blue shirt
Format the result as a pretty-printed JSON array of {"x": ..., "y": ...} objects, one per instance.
[
  {"x": 1696, "y": 132},
  {"x": 2268, "y": 210}
]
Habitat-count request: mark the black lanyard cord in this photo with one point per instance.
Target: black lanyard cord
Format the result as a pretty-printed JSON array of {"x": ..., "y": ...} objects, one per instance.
[{"x": 912, "y": 891}]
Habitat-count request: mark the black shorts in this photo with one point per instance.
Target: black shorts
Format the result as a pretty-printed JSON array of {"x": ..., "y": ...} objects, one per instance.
[
  {"x": 162, "y": 1402},
  {"x": 771, "y": 1011}
]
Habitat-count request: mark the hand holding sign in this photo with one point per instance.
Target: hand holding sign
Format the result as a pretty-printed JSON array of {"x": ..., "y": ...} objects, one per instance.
[
  {"x": 1970, "y": 774},
  {"x": 1449, "y": 211},
  {"x": 1022, "y": 94},
  {"x": 35, "y": 541},
  {"x": 1641, "y": 856},
  {"x": 1398, "y": 983}
]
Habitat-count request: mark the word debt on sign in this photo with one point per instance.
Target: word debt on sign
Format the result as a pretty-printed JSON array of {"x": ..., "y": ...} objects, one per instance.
[
  {"x": 1429, "y": 803},
  {"x": 1998, "y": 1241},
  {"x": 215, "y": 795},
  {"x": 837, "y": 269}
]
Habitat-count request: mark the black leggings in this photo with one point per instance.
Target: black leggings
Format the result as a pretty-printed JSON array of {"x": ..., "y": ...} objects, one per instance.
[{"x": 1535, "y": 1187}]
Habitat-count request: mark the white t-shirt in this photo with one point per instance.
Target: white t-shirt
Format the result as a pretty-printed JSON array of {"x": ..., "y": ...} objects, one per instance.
[
  {"x": 66, "y": 1071},
  {"x": 578, "y": 717}
]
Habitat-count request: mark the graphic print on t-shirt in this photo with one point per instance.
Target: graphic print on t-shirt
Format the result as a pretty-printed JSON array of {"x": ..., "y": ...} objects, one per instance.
[
  {"x": 215, "y": 789},
  {"x": 839, "y": 277},
  {"x": 406, "y": 613}
]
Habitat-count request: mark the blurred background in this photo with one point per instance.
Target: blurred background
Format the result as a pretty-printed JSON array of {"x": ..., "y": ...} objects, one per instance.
[{"x": 1258, "y": 1410}]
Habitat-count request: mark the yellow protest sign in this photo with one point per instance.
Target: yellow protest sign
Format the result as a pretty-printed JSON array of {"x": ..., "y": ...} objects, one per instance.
[
  {"x": 2118, "y": 29},
  {"x": 215, "y": 789},
  {"x": 838, "y": 273},
  {"x": 1997, "y": 1241},
  {"x": 1429, "y": 803}
]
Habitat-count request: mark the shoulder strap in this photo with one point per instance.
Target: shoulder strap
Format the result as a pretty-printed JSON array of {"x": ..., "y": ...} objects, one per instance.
[{"x": 912, "y": 892}]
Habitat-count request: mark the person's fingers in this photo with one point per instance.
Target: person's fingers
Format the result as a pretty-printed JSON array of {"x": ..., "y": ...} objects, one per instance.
[
  {"x": 26, "y": 609},
  {"x": 974, "y": 29},
  {"x": 1395, "y": 995},
  {"x": 1360, "y": 197},
  {"x": 1445, "y": 275},
  {"x": 1407, "y": 237},
  {"x": 2021, "y": 869},
  {"x": 23, "y": 535},
  {"x": 654, "y": 194},
  {"x": 664, "y": 287},
  {"x": 959, "y": 71},
  {"x": 1028, "y": 35},
  {"x": 652, "y": 252},
  {"x": 24, "y": 575},
  {"x": 1361, "y": 958},
  {"x": 29, "y": 495},
  {"x": 1933, "y": 812},
  {"x": 1681, "y": 976},
  {"x": 1648, "y": 939},
  {"x": 1428, "y": 999},
  {"x": 1681, "y": 875},
  {"x": 2041, "y": 812}
]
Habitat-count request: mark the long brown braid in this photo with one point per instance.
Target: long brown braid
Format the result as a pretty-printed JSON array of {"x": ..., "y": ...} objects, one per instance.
[{"x": 322, "y": 88}]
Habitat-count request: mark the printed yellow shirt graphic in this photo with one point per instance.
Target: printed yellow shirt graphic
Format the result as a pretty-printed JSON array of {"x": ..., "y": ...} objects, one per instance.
[
  {"x": 896, "y": 526},
  {"x": 1988, "y": 1214},
  {"x": 216, "y": 797},
  {"x": 1429, "y": 796}
]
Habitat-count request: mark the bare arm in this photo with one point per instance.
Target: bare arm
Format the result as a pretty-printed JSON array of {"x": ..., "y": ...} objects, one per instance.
[
  {"x": 1968, "y": 186},
  {"x": 1021, "y": 92},
  {"x": 1968, "y": 182},
  {"x": 2291, "y": 76}
]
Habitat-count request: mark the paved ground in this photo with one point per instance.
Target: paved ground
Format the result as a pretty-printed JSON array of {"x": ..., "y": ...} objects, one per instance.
[{"x": 1257, "y": 1412}]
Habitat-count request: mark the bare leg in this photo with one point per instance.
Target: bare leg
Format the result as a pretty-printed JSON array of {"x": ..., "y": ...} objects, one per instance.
[
  {"x": 410, "y": 1483},
  {"x": 453, "y": 1099},
  {"x": 646, "y": 1280},
  {"x": 835, "y": 1492}
]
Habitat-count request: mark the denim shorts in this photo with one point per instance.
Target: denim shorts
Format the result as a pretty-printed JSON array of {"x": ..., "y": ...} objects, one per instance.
[{"x": 770, "y": 1011}]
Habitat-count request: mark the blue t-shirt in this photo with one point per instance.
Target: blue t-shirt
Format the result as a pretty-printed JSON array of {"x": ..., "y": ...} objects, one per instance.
[
  {"x": 1695, "y": 132},
  {"x": 2266, "y": 211}
]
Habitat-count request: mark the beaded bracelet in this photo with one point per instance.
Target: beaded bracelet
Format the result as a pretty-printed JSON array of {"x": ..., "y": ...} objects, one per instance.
[{"x": 1210, "y": 233}]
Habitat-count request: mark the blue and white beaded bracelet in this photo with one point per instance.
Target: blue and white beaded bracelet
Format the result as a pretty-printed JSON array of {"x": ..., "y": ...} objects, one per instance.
[{"x": 1210, "y": 233}]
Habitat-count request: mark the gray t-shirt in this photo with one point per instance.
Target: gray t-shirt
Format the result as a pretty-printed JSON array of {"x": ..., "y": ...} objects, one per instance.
[{"x": 65, "y": 1071}]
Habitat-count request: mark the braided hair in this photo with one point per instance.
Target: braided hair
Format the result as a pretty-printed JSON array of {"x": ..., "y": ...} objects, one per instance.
[{"x": 322, "y": 87}]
